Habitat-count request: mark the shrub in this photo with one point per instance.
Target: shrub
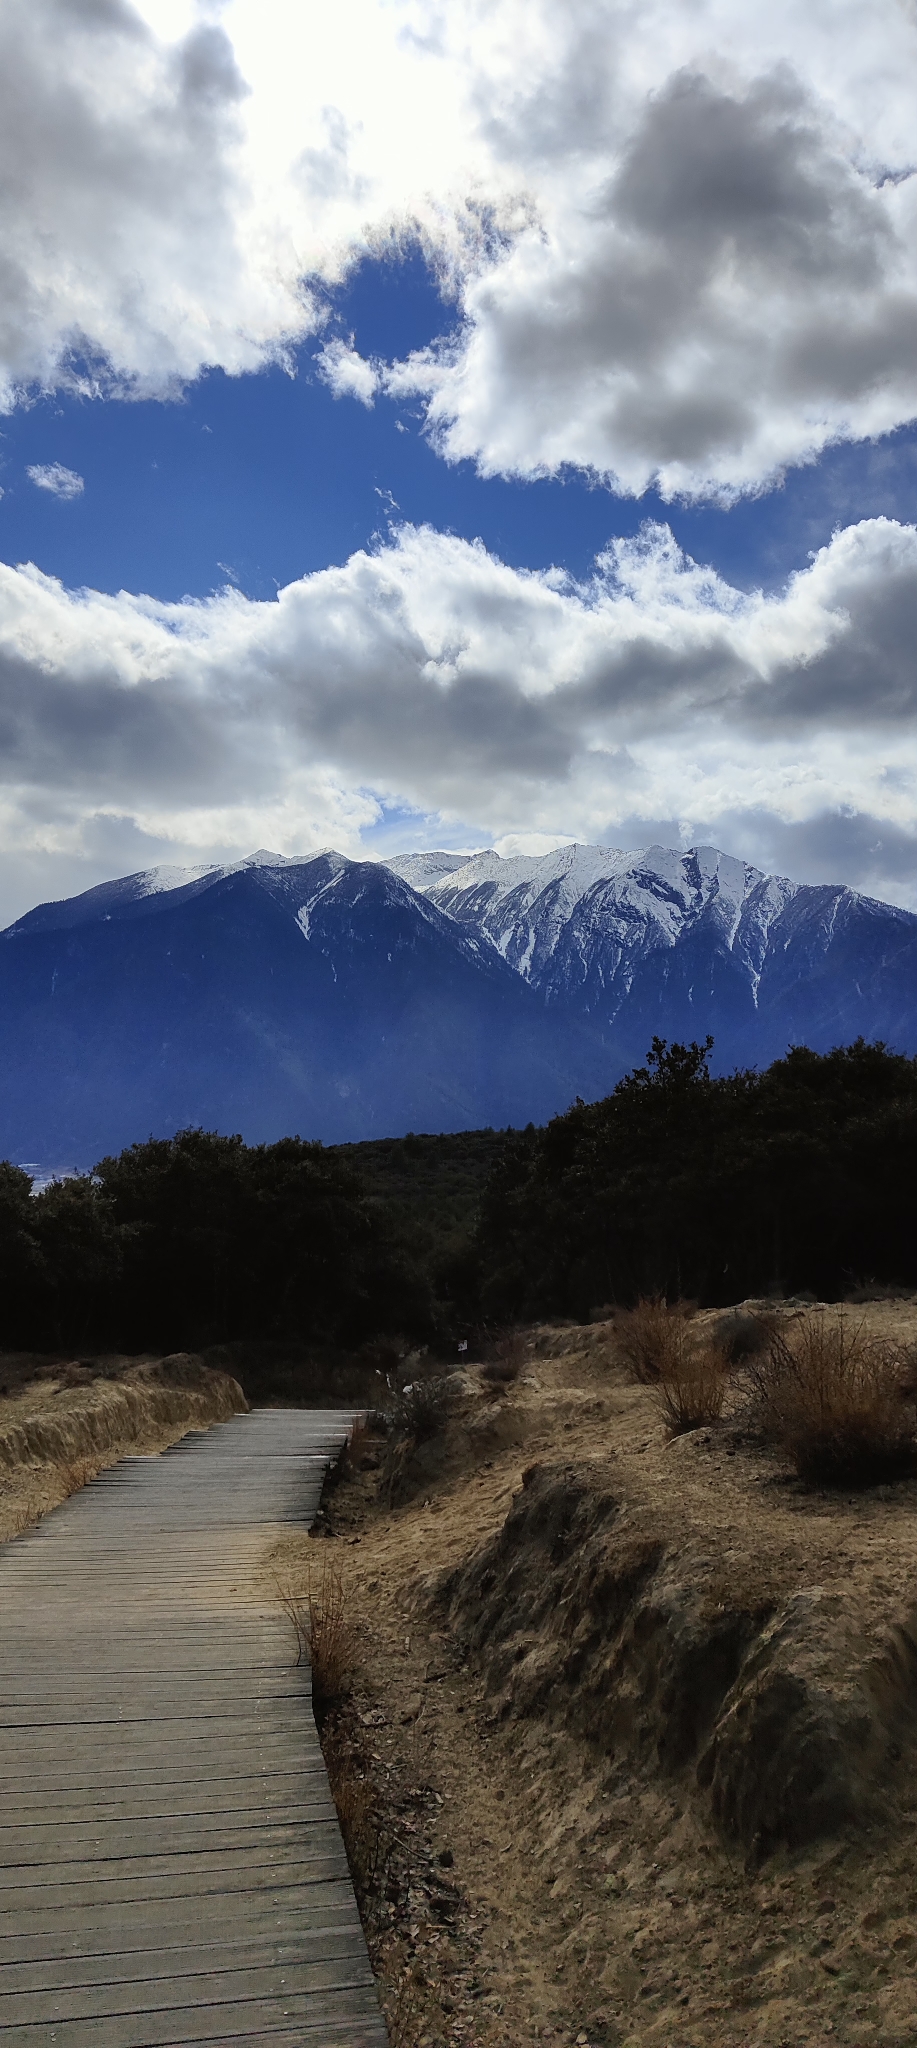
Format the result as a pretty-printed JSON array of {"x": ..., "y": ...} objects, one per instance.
[
  {"x": 653, "y": 1340},
  {"x": 692, "y": 1387},
  {"x": 418, "y": 1414},
  {"x": 839, "y": 1403},
  {"x": 508, "y": 1358},
  {"x": 420, "y": 1410},
  {"x": 742, "y": 1334}
]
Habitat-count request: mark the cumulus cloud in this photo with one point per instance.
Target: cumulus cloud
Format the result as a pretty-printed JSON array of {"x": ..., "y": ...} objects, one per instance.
[
  {"x": 346, "y": 373},
  {"x": 723, "y": 296},
  {"x": 53, "y": 477},
  {"x": 126, "y": 246},
  {"x": 430, "y": 675},
  {"x": 680, "y": 243}
]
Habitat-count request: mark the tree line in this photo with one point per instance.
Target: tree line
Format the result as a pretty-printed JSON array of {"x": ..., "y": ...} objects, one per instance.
[
  {"x": 800, "y": 1178},
  {"x": 195, "y": 1240}
]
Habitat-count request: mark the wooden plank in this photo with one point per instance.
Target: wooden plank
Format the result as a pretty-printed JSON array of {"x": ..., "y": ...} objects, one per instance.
[
  {"x": 315, "y": 2020},
  {"x": 185, "y": 1958},
  {"x": 265, "y": 1911},
  {"x": 171, "y": 1869}
]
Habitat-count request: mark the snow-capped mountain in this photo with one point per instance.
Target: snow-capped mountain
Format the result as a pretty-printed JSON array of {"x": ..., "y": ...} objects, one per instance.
[
  {"x": 323, "y": 996},
  {"x": 348, "y": 999},
  {"x": 685, "y": 943},
  {"x": 591, "y": 913}
]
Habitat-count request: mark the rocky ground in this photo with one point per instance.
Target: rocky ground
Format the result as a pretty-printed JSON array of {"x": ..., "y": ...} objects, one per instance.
[{"x": 636, "y": 1724}]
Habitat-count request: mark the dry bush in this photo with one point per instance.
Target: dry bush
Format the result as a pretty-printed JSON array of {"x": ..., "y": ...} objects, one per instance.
[
  {"x": 354, "y": 1450},
  {"x": 418, "y": 1414},
  {"x": 653, "y": 1340},
  {"x": 358, "y": 1439},
  {"x": 742, "y": 1334},
  {"x": 692, "y": 1387},
  {"x": 509, "y": 1357},
  {"x": 420, "y": 1410},
  {"x": 324, "y": 1633},
  {"x": 838, "y": 1402}
]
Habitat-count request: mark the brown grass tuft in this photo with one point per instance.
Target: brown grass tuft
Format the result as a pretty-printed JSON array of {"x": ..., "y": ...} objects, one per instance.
[
  {"x": 652, "y": 1340},
  {"x": 688, "y": 1371},
  {"x": 324, "y": 1633},
  {"x": 692, "y": 1387},
  {"x": 839, "y": 1403},
  {"x": 405, "y": 2012}
]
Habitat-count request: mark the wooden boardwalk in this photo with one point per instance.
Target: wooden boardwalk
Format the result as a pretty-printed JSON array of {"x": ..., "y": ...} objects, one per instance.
[{"x": 171, "y": 1869}]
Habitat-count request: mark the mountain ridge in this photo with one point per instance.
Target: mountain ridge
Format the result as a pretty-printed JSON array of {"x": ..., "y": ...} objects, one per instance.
[{"x": 343, "y": 999}]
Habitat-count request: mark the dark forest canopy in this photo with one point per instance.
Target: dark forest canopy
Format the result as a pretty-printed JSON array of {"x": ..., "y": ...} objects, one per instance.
[
  {"x": 198, "y": 1239},
  {"x": 803, "y": 1177}
]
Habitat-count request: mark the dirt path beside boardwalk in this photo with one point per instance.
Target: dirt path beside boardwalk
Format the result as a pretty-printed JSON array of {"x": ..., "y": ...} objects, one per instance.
[{"x": 639, "y": 1717}]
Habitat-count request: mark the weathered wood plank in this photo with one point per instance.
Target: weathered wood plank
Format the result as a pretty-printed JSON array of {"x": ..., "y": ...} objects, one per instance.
[{"x": 171, "y": 1870}]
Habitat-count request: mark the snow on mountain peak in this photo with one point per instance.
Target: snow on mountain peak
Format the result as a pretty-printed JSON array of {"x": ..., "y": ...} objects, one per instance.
[
  {"x": 584, "y": 914},
  {"x": 422, "y": 871}
]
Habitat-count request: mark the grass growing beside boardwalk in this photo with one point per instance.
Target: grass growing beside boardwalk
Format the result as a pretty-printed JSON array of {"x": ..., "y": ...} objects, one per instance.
[{"x": 324, "y": 1633}]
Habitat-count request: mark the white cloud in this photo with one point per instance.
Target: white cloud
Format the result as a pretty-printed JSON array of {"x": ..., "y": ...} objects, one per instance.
[
  {"x": 346, "y": 373},
  {"x": 53, "y": 477},
  {"x": 652, "y": 699},
  {"x": 722, "y": 291},
  {"x": 129, "y": 253},
  {"x": 682, "y": 240}
]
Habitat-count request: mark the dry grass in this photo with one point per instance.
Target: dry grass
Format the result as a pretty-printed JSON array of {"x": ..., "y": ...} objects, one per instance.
[
  {"x": 688, "y": 1371},
  {"x": 692, "y": 1389},
  {"x": 404, "y": 2012},
  {"x": 356, "y": 1804},
  {"x": 509, "y": 1357},
  {"x": 324, "y": 1633},
  {"x": 653, "y": 1339},
  {"x": 77, "y": 1473},
  {"x": 838, "y": 1402}
]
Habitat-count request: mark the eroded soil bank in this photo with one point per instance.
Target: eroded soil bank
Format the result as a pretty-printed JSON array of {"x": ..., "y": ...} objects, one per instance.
[
  {"x": 647, "y": 1709},
  {"x": 60, "y": 1423}
]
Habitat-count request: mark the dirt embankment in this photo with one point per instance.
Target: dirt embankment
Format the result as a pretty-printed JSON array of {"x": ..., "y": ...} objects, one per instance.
[
  {"x": 660, "y": 1700},
  {"x": 65, "y": 1422}
]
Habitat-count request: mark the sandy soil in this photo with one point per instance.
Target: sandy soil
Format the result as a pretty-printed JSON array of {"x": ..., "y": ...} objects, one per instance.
[{"x": 596, "y": 1896}]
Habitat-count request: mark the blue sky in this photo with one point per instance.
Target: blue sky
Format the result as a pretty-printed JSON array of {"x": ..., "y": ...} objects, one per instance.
[
  {"x": 491, "y": 425},
  {"x": 258, "y": 479}
]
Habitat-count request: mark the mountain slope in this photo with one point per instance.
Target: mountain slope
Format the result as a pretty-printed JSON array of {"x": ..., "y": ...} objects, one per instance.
[
  {"x": 324, "y": 997},
  {"x": 689, "y": 943},
  {"x": 347, "y": 1000}
]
